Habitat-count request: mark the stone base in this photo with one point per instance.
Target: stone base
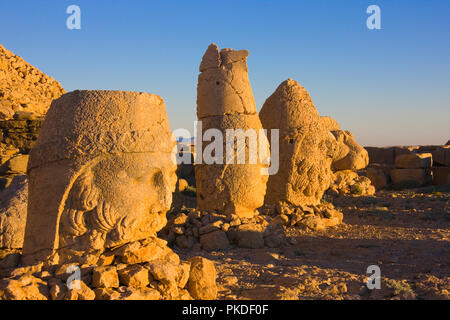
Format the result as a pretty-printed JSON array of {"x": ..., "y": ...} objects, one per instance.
[{"x": 142, "y": 270}]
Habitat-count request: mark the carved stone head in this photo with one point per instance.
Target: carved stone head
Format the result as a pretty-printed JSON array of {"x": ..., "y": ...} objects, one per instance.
[
  {"x": 305, "y": 167},
  {"x": 100, "y": 175}
]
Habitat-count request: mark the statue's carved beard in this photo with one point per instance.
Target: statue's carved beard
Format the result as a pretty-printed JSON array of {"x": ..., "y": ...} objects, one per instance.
[
  {"x": 93, "y": 229},
  {"x": 104, "y": 226},
  {"x": 90, "y": 222}
]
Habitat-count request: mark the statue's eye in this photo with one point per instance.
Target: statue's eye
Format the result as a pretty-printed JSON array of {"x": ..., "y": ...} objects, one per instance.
[{"x": 158, "y": 179}]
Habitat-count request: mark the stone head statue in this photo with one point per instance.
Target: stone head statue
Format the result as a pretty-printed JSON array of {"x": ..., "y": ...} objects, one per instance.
[
  {"x": 346, "y": 153},
  {"x": 225, "y": 102},
  {"x": 100, "y": 175},
  {"x": 305, "y": 166}
]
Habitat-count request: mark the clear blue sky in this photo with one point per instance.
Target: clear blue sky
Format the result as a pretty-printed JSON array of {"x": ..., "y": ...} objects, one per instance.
[{"x": 389, "y": 86}]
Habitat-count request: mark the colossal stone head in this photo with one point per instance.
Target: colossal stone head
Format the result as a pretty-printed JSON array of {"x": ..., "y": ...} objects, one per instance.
[
  {"x": 100, "y": 175},
  {"x": 225, "y": 102},
  {"x": 305, "y": 166},
  {"x": 346, "y": 153}
]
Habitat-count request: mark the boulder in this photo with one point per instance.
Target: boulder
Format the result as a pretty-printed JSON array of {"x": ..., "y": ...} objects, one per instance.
[
  {"x": 15, "y": 165},
  {"x": 250, "y": 235},
  {"x": 381, "y": 155},
  {"x": 23, "y": 88},
  {"x": 410, "y": 178},
  {"x": 216, "y": 240},
  {"x": 83, "y": 292},
  {"x": 105, "y": 277},
  {"x": 349, "y": 182},
  {"x": 135, "y": 276}
]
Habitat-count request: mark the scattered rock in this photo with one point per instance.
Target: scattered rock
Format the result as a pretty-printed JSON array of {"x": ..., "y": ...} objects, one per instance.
[
  {"x": 202, "y": 279},
  {"x": 83, "y": 292},
  {"x": 216, "y": 240},
  {"x": 135, "y": 276},
  {"x": 105, "y": 277}
]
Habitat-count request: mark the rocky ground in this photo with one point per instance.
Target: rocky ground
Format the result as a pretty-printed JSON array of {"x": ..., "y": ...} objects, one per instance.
[{"x": 405, "y": 233}]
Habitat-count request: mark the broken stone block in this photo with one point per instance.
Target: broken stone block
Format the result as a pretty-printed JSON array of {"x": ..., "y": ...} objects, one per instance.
[
  {"x": 81, "y": 293},
  {"x": 414, "y": 161},
  {"x": 25, "y": 287},
  {"x": 411, "y": 178},
  {"x": 441, "y": 156},
  {"x": 216, "y": 240},
  {"x": 135, "y": 276},
  {"x": 225, "y": 102}
]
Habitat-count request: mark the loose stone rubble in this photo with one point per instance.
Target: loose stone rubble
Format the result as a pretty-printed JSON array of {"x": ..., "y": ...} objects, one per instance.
[
  {"x": 225, "y": 101},
  {"x": 196, "y": 230},
  {"x": 141, "y": 270}
]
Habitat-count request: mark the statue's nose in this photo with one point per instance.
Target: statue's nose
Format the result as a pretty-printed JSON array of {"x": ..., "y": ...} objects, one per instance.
[{"x": 166, "y": 188}]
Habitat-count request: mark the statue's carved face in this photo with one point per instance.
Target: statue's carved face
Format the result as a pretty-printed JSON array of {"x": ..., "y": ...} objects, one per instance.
[
  {"x": 309, "y": 173},
  {"x": 121, "y": 198}
]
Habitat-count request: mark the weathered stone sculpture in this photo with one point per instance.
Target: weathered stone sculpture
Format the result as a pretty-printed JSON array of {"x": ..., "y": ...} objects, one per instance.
[
  {"x": 305, "y": 166},
  {"x": 347, "y": 154},
  {"x": 100, "y": 175},
  {"x": 225, "y": 101},
  {"x": 13, "y": 213}
]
